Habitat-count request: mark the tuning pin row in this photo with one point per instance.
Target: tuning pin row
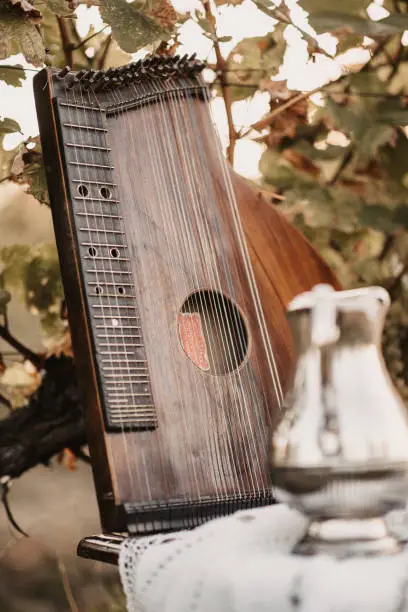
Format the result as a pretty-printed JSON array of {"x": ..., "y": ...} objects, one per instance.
[{"x": 153, "y": 67}]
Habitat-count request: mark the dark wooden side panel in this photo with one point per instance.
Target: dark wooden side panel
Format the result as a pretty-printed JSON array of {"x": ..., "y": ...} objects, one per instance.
[{"x": 81, "y": 338}]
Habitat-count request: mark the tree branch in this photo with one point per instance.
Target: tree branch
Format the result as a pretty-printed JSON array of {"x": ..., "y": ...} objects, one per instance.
[
  {"x": 101, "y": 62},
  {"x": 35, "y": 359},
  {"x": 67, "y": 46},
  {"x": 85, "y": 40},
  {"x": 51, "y": 421},
  {"x": 222, "y": 70}
]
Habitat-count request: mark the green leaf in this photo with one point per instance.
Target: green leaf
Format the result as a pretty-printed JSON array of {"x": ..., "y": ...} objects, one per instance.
[
  {"x": 205, "y": 25},
  {"x": 224, "y": 39},
  {"x": 378, "y": 217},
  {"x": 331, "y": 21},
  {"x": 369, "y": 138},
  {"x": 391, "y": 111},
  {"x": 349, "y": 41},
  {"x": 254, "y": 59},
  {"x": 347, "y": 6},
  {"x": 401, "y": 216},
  {"x": 131, "y": 27},
  {"x": 9, "y": 126},
  {"x": 12, "y": 75},
  {"x": 28, "y": 169},
  {"x": 20, "y": 35}
]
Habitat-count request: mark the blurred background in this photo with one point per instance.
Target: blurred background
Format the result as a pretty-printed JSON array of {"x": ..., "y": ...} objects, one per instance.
[{"x": 310, "y": 99}]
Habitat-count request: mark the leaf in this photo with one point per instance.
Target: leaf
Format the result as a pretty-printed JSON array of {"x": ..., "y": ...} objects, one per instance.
[
  {"x": 131, "y": 27},
  {"x": 333, "y": 21},
  {"x": 378, "y": 217},
  {"x": 254, "y": 59},
  {"x": 9, "y": 126},
  {"x": 391, "y": 111},
  {"x": 28, "y": 169},
  {"x": 19, "y": 35},
  {"x": 224, "y": 39},
  {"x": 401, "y": 216},
  {"x": 205, "y": 25},
  {"x": 348, "y": 41},
  {"x": 12, "y": 75},
  {"x": 347, "y": 6},
  {"x": 231, "y": 2},
  {"x": 369, "y": 138}
]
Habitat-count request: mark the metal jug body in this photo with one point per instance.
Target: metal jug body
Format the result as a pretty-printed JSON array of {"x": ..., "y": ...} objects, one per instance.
[{"x": 340, "y": 451}]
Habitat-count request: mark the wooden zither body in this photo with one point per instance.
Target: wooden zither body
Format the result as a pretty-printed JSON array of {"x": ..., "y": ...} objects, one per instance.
[{"x": 180, "y": 340}]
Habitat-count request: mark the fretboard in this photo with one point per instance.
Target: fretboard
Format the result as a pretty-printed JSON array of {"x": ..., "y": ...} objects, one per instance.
[{"x": 108, "y": 281}]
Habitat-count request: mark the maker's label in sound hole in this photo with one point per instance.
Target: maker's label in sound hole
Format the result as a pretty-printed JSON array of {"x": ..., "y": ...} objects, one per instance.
[
  {"x": 212, "y": 332},
  {"x": 192, "y": 339}
]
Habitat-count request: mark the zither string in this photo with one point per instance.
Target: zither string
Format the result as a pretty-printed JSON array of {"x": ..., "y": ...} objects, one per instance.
[
  {"x": 176, "y": 211},
  {"x": 248, "y": 266},
  {"x": 191, "y": 108},
  {"x": 198, "y": 175},
  {"x": 144, "y": 130},
  {"x": 186, "y": 224},
  {"x": 199, "y": 126},
  {"x": 180, "y": 129},
  {"x": 136, "y": 450}
]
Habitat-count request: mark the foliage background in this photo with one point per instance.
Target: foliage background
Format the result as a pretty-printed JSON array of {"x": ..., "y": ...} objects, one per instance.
[{"x": 334, "y": 158}]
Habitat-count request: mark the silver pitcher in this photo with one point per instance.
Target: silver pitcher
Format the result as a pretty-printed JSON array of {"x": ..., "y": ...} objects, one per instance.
[{"x": 340, "y": 451}]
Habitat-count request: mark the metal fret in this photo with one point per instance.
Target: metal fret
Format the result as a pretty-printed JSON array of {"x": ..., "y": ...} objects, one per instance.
[
  {"x": 122, "y": 246},
  {"x": 125, "y": 367},
  {"x": 87, "y": 165},
  {"x": 119, "y": 394},
  {"x": 102, "y": 215},
  {"x": 117, "y": 353},
  {"x": 107, "y": 258},
  {"x": 115, "y": 317},
  {"x": 124, "y": 344},
  {"x": 131, "y": 380},
  {"x": 133, "y": 405},
  {"x": 87, "y": 146},
  {"x": 116, "y": 327},
  {"x": 118, "y": 335},
  {"x": 82, "y": 107},
  {"x": 106, "y": 200},
  {"x": 102, "y": 183},
  {"x": 122, "y": 296},
  {"x": 85, "y": 127},
  {"x": 112, "y": 306},
  {"x": 101, "y": 231},
  {"x": 101, "y": 271},
  {"x": 108, "y": 284}
]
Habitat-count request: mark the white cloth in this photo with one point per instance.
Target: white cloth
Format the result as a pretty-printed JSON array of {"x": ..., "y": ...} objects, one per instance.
[{"x": 242, "y": 563}]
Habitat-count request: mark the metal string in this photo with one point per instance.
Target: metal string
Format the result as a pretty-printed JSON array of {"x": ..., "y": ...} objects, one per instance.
[
  {"x": 207, "y": 136},
  {"x": 249, "y": 270},
  {"x": 240, "y": 373},
  {"x": 138, "y": 180},
  {"x": 178, "y": 210},
  {"x": 182, "y": 129}
]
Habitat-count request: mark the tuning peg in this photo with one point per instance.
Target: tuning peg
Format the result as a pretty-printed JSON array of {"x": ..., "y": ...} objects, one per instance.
[{"x": 63, "y": 73}]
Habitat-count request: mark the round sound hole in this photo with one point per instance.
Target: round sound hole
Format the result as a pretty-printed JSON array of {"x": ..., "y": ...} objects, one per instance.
[{"x": 212, "y": 332}]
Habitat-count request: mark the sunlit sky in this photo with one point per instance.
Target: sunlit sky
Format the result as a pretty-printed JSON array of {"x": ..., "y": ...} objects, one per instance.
[{"x": 241, "y": 22}]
